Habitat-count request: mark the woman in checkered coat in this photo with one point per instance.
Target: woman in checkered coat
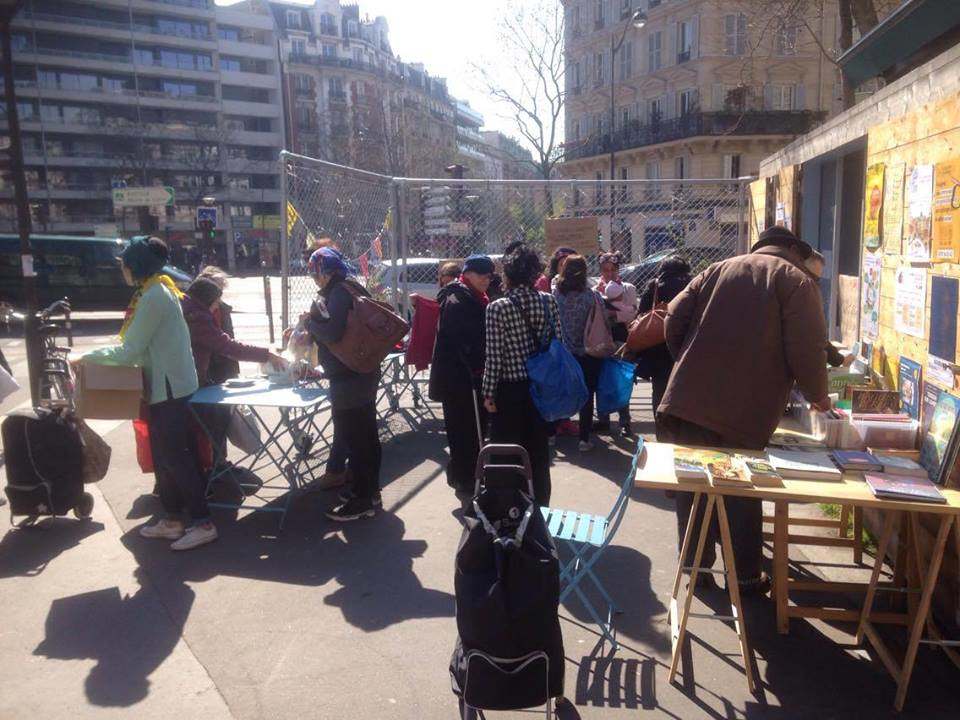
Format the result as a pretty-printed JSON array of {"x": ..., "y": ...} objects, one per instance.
[{"x": 512, "y": 323}]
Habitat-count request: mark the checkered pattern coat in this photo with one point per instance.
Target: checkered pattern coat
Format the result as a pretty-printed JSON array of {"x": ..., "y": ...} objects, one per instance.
[{"x": 508, "y": 340}]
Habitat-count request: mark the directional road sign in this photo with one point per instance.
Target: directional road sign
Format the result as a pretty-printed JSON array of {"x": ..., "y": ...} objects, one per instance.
[{"x": 137, "y": 196}]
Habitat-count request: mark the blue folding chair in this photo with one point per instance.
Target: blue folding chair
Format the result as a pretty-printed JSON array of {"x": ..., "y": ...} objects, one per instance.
[{"x": 587, "y": 536}]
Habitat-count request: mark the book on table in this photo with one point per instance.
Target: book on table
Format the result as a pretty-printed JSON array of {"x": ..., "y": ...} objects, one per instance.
[
  {"x": 857, "y": 460},
  {"x": 691, "y": 463},
  {"x": 897, "y": 465},
  {"x": 726, "y": 472},
  {"x": 899, "y": 487},
  {"x": 936, "y": 451},
  {"x": 760, "y": 472},
  {"x": 804, "y": 464}
]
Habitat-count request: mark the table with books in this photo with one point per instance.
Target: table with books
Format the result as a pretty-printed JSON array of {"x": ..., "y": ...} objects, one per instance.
[{"x": 803, "y": 476}]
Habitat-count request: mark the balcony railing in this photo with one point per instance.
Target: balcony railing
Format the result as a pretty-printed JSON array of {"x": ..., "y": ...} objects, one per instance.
[{"x": 772, "y": 122}]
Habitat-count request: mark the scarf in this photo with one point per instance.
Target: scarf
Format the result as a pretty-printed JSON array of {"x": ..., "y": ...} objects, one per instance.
[
  {"x": 159, "y": 278},
  {"x": 482, "y": 297}
]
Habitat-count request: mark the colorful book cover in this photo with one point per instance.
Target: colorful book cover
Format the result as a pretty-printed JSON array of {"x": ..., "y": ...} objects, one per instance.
[
  {"x": 898, "y": 487},
  {"x": 937, "y": 439},
  {"x": 856, "y": 460},
  {"x": 874, "y": 402},
  {"x": 910, "y": 374},
  {"x": 928, "y": 403}
]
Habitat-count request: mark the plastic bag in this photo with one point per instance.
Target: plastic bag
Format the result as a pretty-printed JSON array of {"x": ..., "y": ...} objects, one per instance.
[
  {"x": 615, "y": 385},
  {"x": 96, "y": 454},
  {"x": 141, "y": 433},
  {"x": 243, "y": 430},
  {"x": 556, "y": 382}
]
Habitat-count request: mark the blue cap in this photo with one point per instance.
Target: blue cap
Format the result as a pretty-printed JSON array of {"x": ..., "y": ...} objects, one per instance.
[{"x": 480, "y": 264}]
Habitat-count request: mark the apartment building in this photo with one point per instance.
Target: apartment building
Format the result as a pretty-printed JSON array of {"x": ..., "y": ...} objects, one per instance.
[
  {"x": 705, "y": 89},
  {"x": 178, "y": 93},
  {"x": 351, "y": 101}
]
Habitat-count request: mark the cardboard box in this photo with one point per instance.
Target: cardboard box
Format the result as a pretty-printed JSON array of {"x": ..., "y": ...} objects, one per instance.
[{"x": 108, "y": 392}]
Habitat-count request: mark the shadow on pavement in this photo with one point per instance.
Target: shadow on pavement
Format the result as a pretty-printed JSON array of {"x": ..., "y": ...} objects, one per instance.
[
  {"x": 27, "y": 551},
  {"x": 128, "y": 636}
]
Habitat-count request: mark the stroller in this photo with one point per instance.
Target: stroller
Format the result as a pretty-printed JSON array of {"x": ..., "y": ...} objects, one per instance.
[{"x": 509, "y": 652}]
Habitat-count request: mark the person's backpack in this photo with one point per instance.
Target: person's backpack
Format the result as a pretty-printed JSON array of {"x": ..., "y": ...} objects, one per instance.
[
  {"x": 557, "y": 385},
  {"x": 372, "y": 332},
  {"x": 597, "y": 338},
  {"x": 648, "y": 330}
]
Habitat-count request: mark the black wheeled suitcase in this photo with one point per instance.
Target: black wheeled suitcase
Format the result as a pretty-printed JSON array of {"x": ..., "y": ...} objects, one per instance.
[{"x": 43, "y": 455}]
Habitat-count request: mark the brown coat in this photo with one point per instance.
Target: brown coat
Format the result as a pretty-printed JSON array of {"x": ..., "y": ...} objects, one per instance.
[{"x": 742, "y": 332}]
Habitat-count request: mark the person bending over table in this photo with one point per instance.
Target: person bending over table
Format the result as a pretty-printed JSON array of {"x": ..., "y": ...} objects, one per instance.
[
  {"x": 154, "y": 336},
  {"x": 352, "y": 394},
  {"x": 742, "y": 332}
]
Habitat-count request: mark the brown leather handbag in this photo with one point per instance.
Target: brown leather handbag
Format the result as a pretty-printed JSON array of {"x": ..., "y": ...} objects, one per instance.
[
  {"x": 372, "y": 332},
  {"x": 647, "y": 330}
]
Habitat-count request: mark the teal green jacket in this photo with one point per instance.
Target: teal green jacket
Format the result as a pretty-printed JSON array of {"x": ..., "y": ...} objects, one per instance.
[{"x": 158, "y": 341}]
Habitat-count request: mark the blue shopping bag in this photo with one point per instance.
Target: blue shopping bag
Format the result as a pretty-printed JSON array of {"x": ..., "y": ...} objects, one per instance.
[
  {"x": 557, "y": 384},
  {"x": 615, "y": 385}
]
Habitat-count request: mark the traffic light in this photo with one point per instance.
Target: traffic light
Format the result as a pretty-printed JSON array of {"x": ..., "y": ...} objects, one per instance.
[{"x": 207, "y": 233}]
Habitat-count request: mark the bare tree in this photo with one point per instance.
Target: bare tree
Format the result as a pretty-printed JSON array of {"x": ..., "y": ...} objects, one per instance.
[{"x": 527, "y": 78}]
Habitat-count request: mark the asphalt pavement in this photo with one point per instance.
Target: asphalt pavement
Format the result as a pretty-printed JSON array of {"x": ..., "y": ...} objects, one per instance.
[{"x": 357, "y": 621}]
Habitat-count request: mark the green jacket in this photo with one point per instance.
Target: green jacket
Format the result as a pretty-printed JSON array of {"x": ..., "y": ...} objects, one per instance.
[{"x": 158, "y": 341}]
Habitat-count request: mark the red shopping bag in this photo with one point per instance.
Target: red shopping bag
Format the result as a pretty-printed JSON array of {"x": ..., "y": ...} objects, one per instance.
[{"x": 141, "y": 432}]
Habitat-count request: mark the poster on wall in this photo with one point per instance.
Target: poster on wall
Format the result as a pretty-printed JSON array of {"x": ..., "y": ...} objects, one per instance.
[
  {"x": 870, "y": 296},
  {"x": 945, "y": 243},
  {"x": 943, "y": 317},
  {"x": 849, "y": 301},
  {"x": 910, "y": 298},
  {"x": 892, "y": 226},
  {"x": 910, "y": 373},
  {"x": 872, "y": 204},
  {"x": 919, "y": 204}
]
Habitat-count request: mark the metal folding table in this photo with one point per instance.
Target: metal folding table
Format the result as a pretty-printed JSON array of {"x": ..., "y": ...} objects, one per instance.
[{"x": 286, "y": 444}]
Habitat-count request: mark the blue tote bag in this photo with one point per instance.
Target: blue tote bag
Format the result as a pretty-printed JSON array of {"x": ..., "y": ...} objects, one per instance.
[
  {"x": 615, "y": 385},
  {"x": 557, "y": 385}
]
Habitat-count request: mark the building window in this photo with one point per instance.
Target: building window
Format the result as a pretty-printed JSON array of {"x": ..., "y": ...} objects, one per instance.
[
  {"x": 598, "y": 69},
  {"x": 786, "y": 40},
  {"x": 653, "y": 170},
  {"x": 293, "y": 19},
  {"x": 654, "y": 42},
  {"x": 575, "y": 130},
  {"x": 335, "y": 86},
  {"x": 575, "y": 77},
  {"x": 735, "y": 34},
  {"x": 329, "y": 50},
  {"x": 687, "y": 102},
  {"x": 352, "y": 30},
  {"x": 684, "y": 41},
  {"x": 358, "y": 55},
  {"x": 598, "y": 8},
  {"x": 230, "y": 64},
  {"x": 626, "y": 7},
  {"x": 228, "y": 33},
  {"x": 782, "y": 97},
  {"x": 626, "y": 61},
  {"x": 328, "y": 24},
  {"x": 298, "y": 46},
  {"x": 731, "y": 166},
  {"x": 302, "y": 84},
  {"x": 624, "y": 117},
  {"x": 575, "y": 21},
  {"x": 655, "y": 110},
  {"x": 679, "y": 168}
]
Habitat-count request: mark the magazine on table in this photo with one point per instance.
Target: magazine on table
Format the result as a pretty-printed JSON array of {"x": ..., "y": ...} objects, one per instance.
[
  {"x": 805, "y": 464},
  {"x": 898, "y": 487}
]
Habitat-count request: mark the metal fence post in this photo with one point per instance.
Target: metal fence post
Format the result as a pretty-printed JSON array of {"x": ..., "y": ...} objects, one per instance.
[
  {"x": 398, "y": 190},
  {"x": 284, "y": 246},
  {"x": 402, "y": 243},
  {"x": 741, "y": 218}
]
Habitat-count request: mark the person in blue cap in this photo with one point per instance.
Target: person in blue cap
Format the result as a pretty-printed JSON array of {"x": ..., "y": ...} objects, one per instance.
[
  {"x": 456, "y": 370},
  {"x": 352, "y": 394}
]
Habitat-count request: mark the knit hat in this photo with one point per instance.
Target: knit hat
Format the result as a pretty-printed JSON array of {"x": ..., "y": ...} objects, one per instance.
[
  {"x": 480, "y": 264},
  {"x": 204, "y": 291}
]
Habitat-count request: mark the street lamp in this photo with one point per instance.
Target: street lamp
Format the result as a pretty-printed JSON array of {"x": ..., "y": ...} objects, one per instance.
[{"x": 637, "y": 21}]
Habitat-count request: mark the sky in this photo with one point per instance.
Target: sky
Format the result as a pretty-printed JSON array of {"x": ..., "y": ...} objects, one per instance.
[{"x": 446, "y": 36}]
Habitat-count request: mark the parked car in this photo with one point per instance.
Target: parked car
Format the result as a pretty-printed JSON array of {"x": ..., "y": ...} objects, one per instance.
[
  {"x": 698, "y": 257},
  {"x": 421, "y": 274},
  {"x": 84, "y": 269}
]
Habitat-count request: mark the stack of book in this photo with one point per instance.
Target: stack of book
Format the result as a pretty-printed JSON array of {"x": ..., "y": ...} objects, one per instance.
[
  {"x": 899, "y": 487},
  {"x": 856, "y": 460},
  {"x": 804, "y": 465},
  {"x": 724, "y": 469}
]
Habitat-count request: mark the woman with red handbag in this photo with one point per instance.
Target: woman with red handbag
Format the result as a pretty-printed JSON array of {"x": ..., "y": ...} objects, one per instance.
[{"x": 655, "y": 364}]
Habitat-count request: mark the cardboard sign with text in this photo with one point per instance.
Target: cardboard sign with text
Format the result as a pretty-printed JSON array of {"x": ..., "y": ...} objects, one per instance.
[{"x": 581, "y": 234}]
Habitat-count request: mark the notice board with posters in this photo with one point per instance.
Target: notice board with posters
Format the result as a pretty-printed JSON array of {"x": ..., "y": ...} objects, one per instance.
[{"x": 580, "y": 234}]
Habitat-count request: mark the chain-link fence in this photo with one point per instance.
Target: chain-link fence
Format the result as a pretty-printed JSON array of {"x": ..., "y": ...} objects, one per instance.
[{"x": 399, "y": 231}]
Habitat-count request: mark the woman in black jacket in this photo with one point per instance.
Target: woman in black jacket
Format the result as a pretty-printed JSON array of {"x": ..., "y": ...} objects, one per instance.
[
  {"x": 352, "y": 394},
  {"x": 656, "y": 363},
  {"x": 456, "y": 370}
]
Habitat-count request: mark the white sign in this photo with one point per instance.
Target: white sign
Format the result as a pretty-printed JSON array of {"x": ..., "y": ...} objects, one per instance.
[
  {"x": 910, "y": 299},
  {"x": 459, "y": 229},
  {"x": 139, "y": 196}
]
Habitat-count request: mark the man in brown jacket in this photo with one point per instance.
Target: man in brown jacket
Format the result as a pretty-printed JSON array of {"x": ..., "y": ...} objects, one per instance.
[{"x": 742, "y": 333}]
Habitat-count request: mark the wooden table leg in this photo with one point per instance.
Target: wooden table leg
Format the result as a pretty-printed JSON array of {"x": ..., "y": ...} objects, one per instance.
[
  {"x": 678, "y": 621},
  {"x": 733, "y": 587},
  {"x": 916, "y": 631},
  {"x": 844, "y": 521},
  {"x": 858, "y": 535},
  {"x": 781, "y": 568},
  {"x": 685, "y": 545},
  {"x": 889, "y": 522}
]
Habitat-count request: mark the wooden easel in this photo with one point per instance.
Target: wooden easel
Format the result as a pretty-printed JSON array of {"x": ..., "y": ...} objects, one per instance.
[
  {"x": 678, "y": 620},
  {"x": 919, "y": 611}
]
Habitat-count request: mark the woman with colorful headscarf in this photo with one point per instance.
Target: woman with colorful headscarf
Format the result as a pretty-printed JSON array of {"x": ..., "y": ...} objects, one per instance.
[
  {"x": 352, "y": 394},
  {"x": 155, "y": 337}
]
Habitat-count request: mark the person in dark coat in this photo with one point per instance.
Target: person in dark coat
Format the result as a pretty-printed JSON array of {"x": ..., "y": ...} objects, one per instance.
[
  {"x": 222, "y": 368},
  {"x": 456, "y": 370},
  {"x": 656, "y": 363},
  {"x": 352, "y": 394}
]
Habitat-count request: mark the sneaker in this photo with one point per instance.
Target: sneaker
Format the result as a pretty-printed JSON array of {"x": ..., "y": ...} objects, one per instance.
[
  {"x": 163, "y": 529},
  {"x": 347, "y": 495},
  {"x": 328, "y": 481},
  {"x": 627, "y": 432},
  {"x": 353, "y": 509},
  {"x": 196, "y": 536},
  {"x": 585, "y": 446}
]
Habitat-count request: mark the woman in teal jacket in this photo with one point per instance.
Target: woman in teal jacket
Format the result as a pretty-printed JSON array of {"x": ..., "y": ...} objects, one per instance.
[{"x": 155, "y": 337}]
